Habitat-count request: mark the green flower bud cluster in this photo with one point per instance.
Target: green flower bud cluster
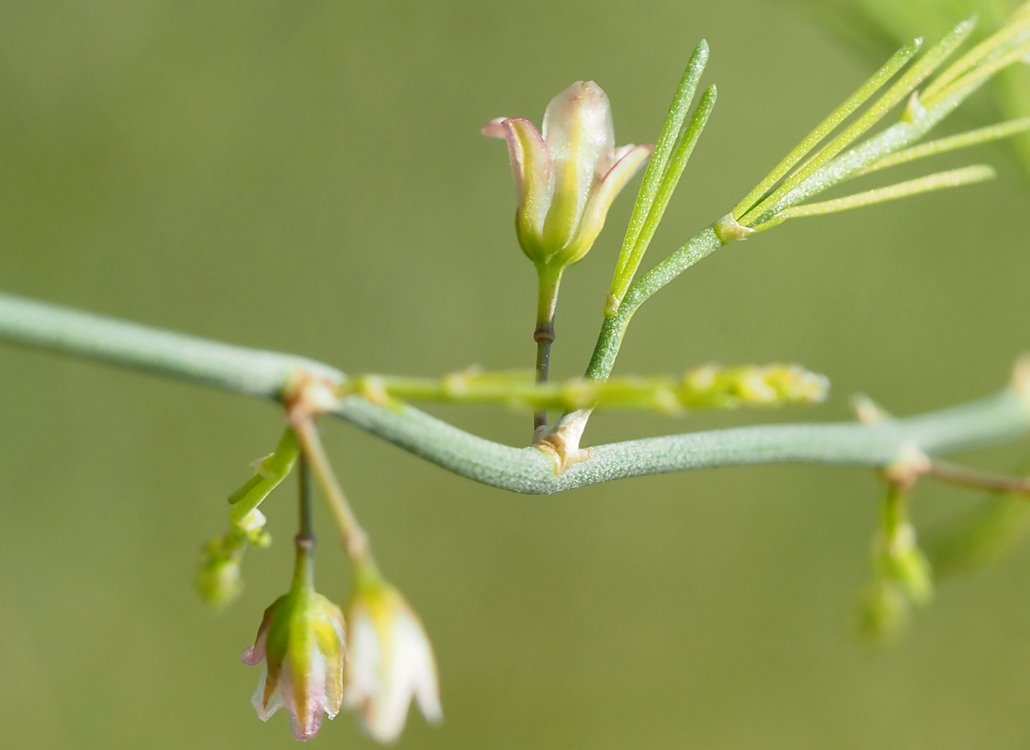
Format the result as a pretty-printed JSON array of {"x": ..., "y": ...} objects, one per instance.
[
  {"x": 901, "y": 574},
  {"x": 708, "y": 387},
  {"x": 218, "y": 578}
]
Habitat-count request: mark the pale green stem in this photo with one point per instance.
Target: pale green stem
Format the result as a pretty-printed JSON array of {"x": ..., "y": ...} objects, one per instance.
[
  {"x": 306, "y": 528},
  {"x": 614, "y": 326},
  {"x": 999, "y": 418},
  {"x": 304, "y": 567},
  {"x": 951, "y": 143},
  {"x": 940, "y": 181}
]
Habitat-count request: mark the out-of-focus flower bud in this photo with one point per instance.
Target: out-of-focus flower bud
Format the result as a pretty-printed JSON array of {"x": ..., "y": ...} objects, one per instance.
[{"x": 218, "y": 579}]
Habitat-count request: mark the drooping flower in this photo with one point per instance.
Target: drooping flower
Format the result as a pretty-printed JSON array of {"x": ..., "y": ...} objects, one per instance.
[
  {"x": 567, "y": 174},
  {"x": 389, "y": 662},
  {"x": 301, "y": 642}
]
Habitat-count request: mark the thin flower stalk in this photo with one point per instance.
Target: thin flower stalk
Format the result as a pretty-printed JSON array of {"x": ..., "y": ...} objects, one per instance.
[{"x": 353, "y": 536}]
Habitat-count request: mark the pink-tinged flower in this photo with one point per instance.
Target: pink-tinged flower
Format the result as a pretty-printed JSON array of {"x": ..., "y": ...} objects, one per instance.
[
  {"x": 389, "y": 662},
  {"x": 301, "y": 642},
  {"x": 567, "y": 174}
]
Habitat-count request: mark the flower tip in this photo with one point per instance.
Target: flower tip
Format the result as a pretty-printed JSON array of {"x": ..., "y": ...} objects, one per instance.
[
  {"x": 252, "y": 655},
  {"x": 586, "y": 87},
  {"x": 966, "y": 25},
  {"x": 1021, "y": 379},
  {"x": 431, "y": 709},
  {"x": 307, "y": 730},
  {"x": 586, "y": 97},
  {"x": 494, "y": 128}
]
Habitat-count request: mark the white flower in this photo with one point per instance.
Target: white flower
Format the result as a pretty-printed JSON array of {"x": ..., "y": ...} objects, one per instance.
[
  {"x": 567, "y": 174},
  {"x": 389, "y": 663},
  {"x": 300, "y": 646}
]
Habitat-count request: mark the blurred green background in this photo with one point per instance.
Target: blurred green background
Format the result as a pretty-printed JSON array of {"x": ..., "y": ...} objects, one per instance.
[{"x": 310, "y": 177}]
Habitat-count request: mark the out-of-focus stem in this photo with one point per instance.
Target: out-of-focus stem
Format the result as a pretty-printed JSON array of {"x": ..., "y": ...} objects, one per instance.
[{"x": 355, "y": 541}]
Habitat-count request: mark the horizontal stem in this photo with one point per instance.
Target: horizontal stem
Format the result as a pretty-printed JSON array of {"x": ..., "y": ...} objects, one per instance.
[
  {"x": 254, "y": 372},
  {"x": 251, "y": 372}
]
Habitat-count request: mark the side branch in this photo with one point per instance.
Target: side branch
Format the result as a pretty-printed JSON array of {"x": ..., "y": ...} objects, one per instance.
[{"x": 265, "y": 374}]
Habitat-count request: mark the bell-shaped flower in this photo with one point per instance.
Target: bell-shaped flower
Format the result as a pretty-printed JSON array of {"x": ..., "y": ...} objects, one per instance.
[
  {"x": 567, "y": 174},
  {"x": 389, "y": 662},
  {"x": 301, "y": 642}
]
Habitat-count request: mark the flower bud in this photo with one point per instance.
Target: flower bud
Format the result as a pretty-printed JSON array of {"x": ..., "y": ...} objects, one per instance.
[
  {"x": 252, "y": 525},
  {"x": 218, "y": 578},
  {"x": 898, "y": 559}
]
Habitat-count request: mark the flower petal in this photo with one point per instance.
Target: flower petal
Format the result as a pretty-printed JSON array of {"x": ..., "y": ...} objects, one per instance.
[
  {"x": 390, "y": 663},
  {"x": 422, "y": 668},
  {"x": 363, "y": 658},
  {"x": 531, "y": 167},
  {"x": 633, "y": 158},
  {"x": 401, "y": 663},
  {"x": 266, "y": 699},
  {"x": 304, "y": 696},
  {"x": 255, "y": 654},
  {"x": 580, "y": 137}
]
